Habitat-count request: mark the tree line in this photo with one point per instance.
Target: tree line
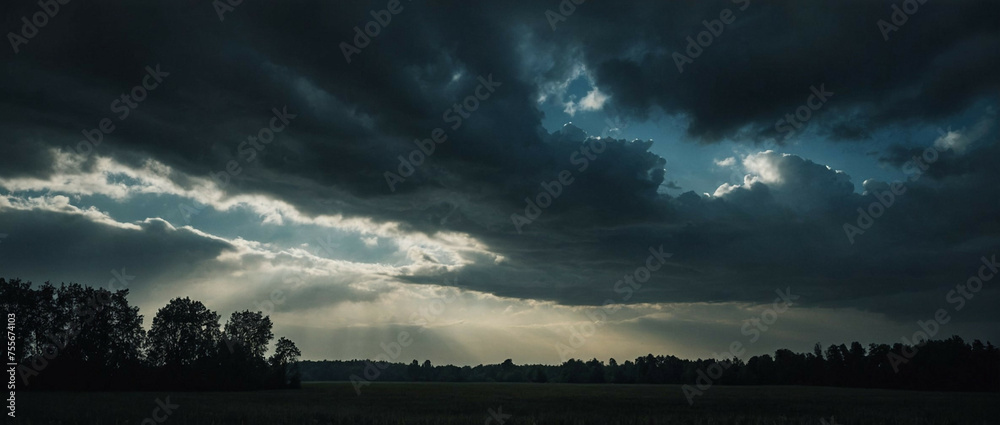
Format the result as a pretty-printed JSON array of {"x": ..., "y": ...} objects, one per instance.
[
  {"x": 941, "y": 365},
  {"x": 74, "y": 337}
]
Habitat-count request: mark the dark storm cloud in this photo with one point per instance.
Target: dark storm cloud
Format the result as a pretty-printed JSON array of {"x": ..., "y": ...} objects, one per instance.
[
  {"x": 60, "y": 247},
  {"x": 354, "y": 120},
  {"x": 762, "y": 66}
]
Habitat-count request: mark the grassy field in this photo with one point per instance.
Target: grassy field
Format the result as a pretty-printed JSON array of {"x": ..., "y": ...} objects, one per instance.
[{"x": 447, "y": 403}]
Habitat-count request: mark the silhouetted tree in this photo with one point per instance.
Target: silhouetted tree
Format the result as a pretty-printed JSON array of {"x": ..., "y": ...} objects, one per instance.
[
  {"x": 285, "y": 352},
  {"x": 183, "y": 332},
  {"x": 427, "y": 371},
  {"x": 285, "y": 362},
  {"x": 249, "y": 330},
  {"x": 413, "y": 370},
  {"x": 595, "y": 372},
  {"x": 538, "y": 375}
]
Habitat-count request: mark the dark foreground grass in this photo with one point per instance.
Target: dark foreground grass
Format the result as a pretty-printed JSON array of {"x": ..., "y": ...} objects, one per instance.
[{"x": 452, "y": 403}]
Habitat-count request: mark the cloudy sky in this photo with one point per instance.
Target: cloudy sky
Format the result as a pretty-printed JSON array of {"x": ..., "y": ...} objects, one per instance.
[{"x": 266, "y": 156}]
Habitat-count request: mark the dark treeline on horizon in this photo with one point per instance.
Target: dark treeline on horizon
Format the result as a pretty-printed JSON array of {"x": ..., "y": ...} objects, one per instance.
[
  {"x": 943, "y": 365},
  {"x": 75, "y": 337}
]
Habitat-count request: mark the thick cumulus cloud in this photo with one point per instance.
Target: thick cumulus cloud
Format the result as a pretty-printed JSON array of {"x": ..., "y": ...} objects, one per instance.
[
  {"x": 783, "y": 226},
  {"x": 795, "y": 182}
]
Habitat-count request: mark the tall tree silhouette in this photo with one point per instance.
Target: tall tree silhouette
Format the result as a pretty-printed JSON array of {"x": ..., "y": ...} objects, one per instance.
[
  {"x": 111, "y": 334},
  {"x": 250, "y": 331},
  {"x": 285, "y": 362},
  {"x": 183, "y": 332}
]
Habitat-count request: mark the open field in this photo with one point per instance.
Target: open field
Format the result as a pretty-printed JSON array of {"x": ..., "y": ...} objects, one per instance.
[{"x": 449, "y": 403}]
